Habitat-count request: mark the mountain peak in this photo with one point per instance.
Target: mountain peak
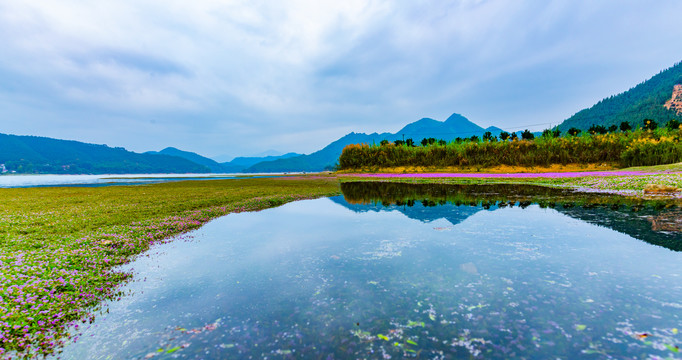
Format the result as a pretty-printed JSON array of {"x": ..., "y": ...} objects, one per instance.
[{"x": 455, "y": 117}]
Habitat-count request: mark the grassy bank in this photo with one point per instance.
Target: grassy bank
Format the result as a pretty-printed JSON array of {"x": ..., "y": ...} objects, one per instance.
[
  {"x": 638, "y": 148},
  {"x": 59, "y": 246}
]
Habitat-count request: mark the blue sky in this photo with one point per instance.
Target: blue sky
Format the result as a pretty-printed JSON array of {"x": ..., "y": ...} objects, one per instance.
[{"x": 240, "y": 77}]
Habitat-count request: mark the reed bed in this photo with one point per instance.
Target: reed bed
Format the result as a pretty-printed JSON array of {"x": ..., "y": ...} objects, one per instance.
[{"x": 638, "y": 148}]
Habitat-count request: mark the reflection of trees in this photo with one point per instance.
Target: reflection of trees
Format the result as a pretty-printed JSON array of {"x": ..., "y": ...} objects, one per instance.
[
  {"x": 667, "y": 221},
  {"x": 657, "y": 222}
]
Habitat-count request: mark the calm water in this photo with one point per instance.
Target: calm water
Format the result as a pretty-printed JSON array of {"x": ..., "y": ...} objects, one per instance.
[
  {"x": 440, "y": 272},
  {"x": 13, "y": 181}
]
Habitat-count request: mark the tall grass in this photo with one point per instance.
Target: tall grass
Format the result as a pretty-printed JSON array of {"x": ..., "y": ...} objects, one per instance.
[{"x": 636, "y": 148}]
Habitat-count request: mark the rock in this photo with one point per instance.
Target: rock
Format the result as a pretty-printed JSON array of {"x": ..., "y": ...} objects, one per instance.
[{"x": 659, "y": 189}]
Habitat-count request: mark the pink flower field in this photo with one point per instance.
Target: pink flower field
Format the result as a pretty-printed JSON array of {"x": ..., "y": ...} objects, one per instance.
[{"x": 553, "y": 175}]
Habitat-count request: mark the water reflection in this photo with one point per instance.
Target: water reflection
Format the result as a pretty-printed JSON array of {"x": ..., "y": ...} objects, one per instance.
[
  {"x": 657, "y": 222},
  {"x": 387, "y": 275}
]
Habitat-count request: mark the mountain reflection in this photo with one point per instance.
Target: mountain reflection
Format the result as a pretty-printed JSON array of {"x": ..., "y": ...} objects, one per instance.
[{"x": 658, "y": 222}]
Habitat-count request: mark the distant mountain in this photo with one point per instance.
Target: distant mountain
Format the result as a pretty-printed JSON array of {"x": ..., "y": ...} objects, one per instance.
[
  {"x": 193, "y": 157},
  {"x": 243, "y": 163},
  {"x": 455, "y": 126},
  {"x": 237, "y": 165},
  {"x": 41, "y": 155},
  {"x": 651, "y": 99},
  {"x": 494, "y": 130},
  {"x": 252, "y": 160},
  {"x": 228, "y": 158}
]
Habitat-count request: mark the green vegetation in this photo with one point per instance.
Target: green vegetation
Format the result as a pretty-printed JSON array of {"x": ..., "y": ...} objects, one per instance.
[
  {"x": 59, "y": 246},
  {"x": 644, "y": 101},
  {"x": 40, "y": 155},
  {"x": 638, "y": 148}
]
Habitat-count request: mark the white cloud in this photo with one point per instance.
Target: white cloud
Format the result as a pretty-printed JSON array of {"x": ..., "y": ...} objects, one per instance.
[{"x": 310, "y": 67}]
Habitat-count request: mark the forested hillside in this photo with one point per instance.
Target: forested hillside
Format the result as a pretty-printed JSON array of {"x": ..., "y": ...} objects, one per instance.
[
  {"x": 41, "y": 155},
  {"x": 644, "y": 101}
]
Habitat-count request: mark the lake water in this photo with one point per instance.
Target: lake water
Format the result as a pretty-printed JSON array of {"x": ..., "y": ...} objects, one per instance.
[
  {"x": 14, "y": 181},
  {"x": 390, "y": 271}
]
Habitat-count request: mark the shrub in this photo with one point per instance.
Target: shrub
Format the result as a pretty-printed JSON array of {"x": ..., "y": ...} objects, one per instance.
[
  {"x": 574, "y": 131},
  {"x": 627, "y": 148},
  {"x": 649, "y": 124},
  {"x": 597, "y": 129}
]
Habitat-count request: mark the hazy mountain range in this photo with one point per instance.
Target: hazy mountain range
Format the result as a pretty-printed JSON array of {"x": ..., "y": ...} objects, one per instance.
[
  {"x": 236, "y": 165},
  {"x": 325, "y": 159},
  {"x": 658, "y": 98}
]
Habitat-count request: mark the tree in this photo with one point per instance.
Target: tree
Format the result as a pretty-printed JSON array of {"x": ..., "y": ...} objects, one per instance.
[
  {"x": 672, "y": 125},
  {"x": 613, "y": 128},
  {"x": 383, "y": 142},
  {"x": 527, "y": 135},
  {"x": 547, "y": 133},
  {"x": 425, "y": 141},
  {"x": 474, "y": 138},
  {"x": 597, "y": 129},
  {"x": 574, "y": 131},
  {"x": 442, "y": 142},
  {"x": 399, "y": 143},
  {"x": 649, "y": 124},
  {"x": 409, "y": 142},
  {"x": 556, "y": 132},
  {"x": 625, "y": 126},
  {"x": 487, "y": 136},
  {"x": 504, "y": 135},
  {"x": 514, "y": 136}
]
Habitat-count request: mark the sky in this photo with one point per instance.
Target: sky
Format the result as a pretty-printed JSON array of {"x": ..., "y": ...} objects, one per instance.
[{"x": 228, "y": 78}]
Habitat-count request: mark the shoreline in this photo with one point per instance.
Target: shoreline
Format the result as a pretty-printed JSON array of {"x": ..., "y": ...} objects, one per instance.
[
  {"x": 641, "y": 183},
  {"x": 69, "y": 241},
  {"x": 61, "y": 246}
]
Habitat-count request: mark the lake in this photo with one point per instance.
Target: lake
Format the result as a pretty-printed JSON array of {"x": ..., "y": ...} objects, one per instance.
[
  {"x": 23, "y": 181},
  {"x": 424, "y": 271}
]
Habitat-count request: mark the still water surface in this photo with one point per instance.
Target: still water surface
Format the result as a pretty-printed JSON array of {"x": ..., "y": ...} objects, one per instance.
[
  {"x": 448, "y": 277},
  {"x": 23, "y": 181}
]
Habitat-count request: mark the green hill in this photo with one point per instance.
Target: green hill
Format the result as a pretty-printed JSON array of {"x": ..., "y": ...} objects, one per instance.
[
  {"x": 193, "y": 157},
  {"x": 644, "y": 101},
  {"x": 41, "y": 155}
]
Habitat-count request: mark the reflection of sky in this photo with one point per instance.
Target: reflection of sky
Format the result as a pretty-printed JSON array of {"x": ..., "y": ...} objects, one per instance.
[{"x": 314, "y": 268}]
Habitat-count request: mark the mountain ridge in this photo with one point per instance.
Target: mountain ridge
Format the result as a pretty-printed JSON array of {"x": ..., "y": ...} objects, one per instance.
[
  {"x": 645, "y": 100},
  {"x": 43, "y": 155},
  {"x": 454, "y": 126}
]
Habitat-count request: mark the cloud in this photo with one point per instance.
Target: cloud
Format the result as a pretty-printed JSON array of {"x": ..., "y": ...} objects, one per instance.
[{"x": 295, "y": 74}]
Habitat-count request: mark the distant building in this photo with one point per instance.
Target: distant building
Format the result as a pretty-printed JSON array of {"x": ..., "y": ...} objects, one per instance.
[{"x": 2, "y": 168}]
